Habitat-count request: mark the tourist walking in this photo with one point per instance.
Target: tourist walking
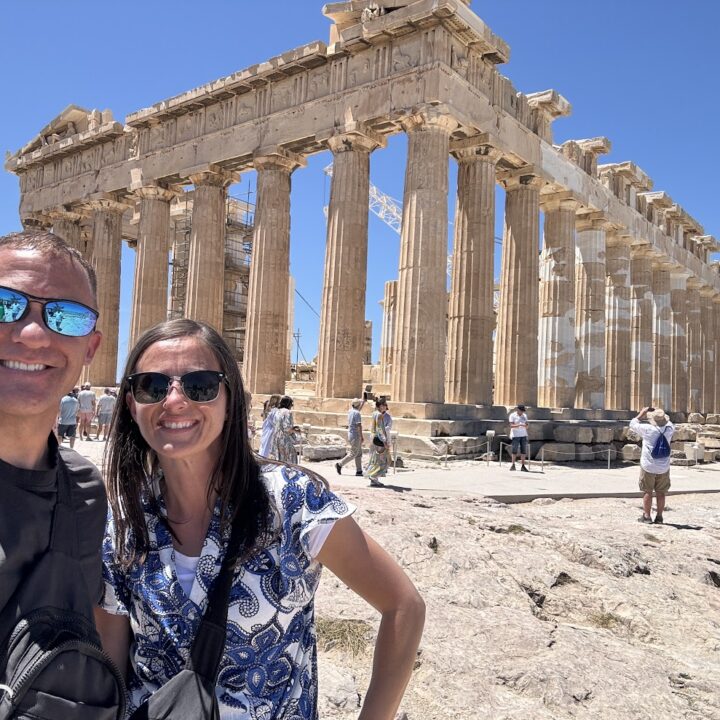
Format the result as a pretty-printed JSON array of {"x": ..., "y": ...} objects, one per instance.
[
  {"x": 379, "y": 445},
  {"x": 105, "y": 407},
  {"x": 268, "y": 426},
  {"x": 355, "y": 438},
  {"x": 284, "y": 432},
  {"x": 209, "y": 516},
  {"x": 68, "y": 418},
  {"x": 653, "y": 425},
  {"x": 86, "y": 398},
  {"x": 518, "y": 436}
]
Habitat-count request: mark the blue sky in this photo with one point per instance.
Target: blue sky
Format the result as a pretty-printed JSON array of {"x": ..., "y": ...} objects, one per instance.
[{"x": 641, "y": 72}]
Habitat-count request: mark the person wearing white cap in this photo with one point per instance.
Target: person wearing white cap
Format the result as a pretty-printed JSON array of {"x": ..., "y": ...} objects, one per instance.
[
  {"x": 652, "y": 425},
  {"x": 355, "y": 438}
]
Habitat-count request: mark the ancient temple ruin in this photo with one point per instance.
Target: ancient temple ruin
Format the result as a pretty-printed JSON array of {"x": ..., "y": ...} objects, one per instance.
[{"x": 619, "y": 309}]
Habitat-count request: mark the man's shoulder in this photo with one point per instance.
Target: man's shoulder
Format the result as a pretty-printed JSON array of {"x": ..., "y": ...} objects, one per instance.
[{"x": 84, "y": 475}]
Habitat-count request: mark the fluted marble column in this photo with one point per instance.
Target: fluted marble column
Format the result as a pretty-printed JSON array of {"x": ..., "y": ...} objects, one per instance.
[
  {"x": 420, "y": 333},
  {"x": 150, "y": 294},
  {"x": 694, "y": 346},
  {"x": 716, "y": 315},
  {"x": 387, "y": 337},
  {"x": 618, "y": 328},
  {"x": 641, "y": 311},
  {"x": 707, "y": 319},
  {"x": 342, "y": 321},
  {"x": 471, "y": 320},
  {"x": 556, "y": 368},
  {"x": 266, "y": 340},
  {"x": 590, "y": 270},
  {"x": 678, "y": 339},
  {"x": 66, "y": 224},
  {"x": 662, "y": 315},
  {"x": 107, "y": 217},
  {"x": 205, "y": 294},
  {"x": 516, "y": 346}
]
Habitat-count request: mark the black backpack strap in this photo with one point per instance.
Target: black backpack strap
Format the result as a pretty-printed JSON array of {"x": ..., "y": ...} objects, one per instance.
[
  {"x": 63, "y": 535},
  {"x": 209, "y": 643}
]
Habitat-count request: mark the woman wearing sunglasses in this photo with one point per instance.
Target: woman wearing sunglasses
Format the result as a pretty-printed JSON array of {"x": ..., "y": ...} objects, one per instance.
[{"x": 182, "y": 479}]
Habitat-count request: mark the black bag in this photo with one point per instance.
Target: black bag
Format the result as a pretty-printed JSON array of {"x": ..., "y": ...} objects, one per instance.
[
  {"x": 378, "y": 442},
  {"x": 52, "y": 666},
  {"x": 191, "y": 693}
]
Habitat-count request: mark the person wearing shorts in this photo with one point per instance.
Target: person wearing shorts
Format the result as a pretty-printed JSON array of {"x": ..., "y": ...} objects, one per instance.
[
  {"x": 654, "y": 472},
  {"x": 67, "y": 421},
  {"x": 87, "y": 400},
  {"x": 105, "y": 407},
  {"x": 518, "y": 436}
]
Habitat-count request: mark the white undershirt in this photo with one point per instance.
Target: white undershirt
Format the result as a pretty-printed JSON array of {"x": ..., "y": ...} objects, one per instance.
[{"x": 186, "y": 565}]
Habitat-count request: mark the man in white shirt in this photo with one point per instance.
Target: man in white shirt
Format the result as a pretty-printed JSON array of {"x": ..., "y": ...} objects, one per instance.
[
  {"x": 86, "y": 398},
  {"x": 654, "y": 471},
  {"x": 519, "y": 436}
]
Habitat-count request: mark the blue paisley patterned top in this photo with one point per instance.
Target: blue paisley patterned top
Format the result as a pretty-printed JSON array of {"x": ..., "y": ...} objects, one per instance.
[{"x": 269, "y": 669}]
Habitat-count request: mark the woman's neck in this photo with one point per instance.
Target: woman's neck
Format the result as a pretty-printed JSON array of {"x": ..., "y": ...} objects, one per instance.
[{"x": 187, "y": 500}]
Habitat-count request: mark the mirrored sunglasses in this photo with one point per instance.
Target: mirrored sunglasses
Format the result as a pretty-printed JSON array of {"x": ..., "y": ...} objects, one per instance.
[
  {"x": 65, "y": 317},
  {"x": 200, "y": 386}
]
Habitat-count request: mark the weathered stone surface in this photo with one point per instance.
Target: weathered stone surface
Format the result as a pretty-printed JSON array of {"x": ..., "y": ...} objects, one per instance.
[
  {"x": 709, "y": 441},
  {"x": 712, "y": 419},
  {"x": 584, "y": 453},
  {"x": 573, "y": 434},
  {"x": 601, "y": 452},
  {"x": 684, "y": 432},
  {"x": 630, "y": 452},
  {"x": 696, "y": 418},
  {"x": 558, "y": 452},
  {"x": 603, "y": 434},
  {"x": 558, "y": 616}
]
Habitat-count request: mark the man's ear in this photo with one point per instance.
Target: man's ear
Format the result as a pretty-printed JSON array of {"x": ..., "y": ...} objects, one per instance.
[{"x": 93, "y": 345}]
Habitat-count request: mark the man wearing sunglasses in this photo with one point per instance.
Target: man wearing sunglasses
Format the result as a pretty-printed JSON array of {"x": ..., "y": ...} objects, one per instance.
[{"x": 47, "y": 334}]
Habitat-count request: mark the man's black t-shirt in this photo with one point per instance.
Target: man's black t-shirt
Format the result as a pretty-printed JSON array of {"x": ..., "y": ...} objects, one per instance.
[{"x": 27, "y": 500}]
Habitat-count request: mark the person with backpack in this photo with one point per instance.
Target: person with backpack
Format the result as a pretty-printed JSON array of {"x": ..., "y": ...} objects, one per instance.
[
  {"x": 52, "y": 500},
  {"x": 656, "y": 431}
]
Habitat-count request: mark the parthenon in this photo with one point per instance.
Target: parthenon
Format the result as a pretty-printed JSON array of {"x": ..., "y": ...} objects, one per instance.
[{"x": 618, "y": 307}]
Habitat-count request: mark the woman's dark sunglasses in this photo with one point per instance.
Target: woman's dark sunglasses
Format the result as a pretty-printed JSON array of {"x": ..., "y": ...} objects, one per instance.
[
  {"x": 64, "y": 317},
  {"x": 200, "y": 386}
]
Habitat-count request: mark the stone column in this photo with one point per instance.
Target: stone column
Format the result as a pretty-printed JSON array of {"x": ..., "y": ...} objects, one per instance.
[
  {"x": 707, "y": 320},
  {"x": 618, "y": 327},
  {"x": 641, "y": 352},
  {"x": 107, "y": 217},
  {"x": 388, "y": 330},
  {"x": 342, "y": 321},
  {"x": 662, "y": 316},
  {"x": 694, "y": 347},
  {"x": 516, "y": 342},
  {"x": 420, "y": 333},
  {"x": 590, "y": 270},
  {"x": 66, "y": 224},
  {"x": 678, "y": 339},
  {"x": 266, "y": 341},
  {"x": 556, "y": 368},
  {"x": 205, "y": 293},
  {"x": 471, "y": 320},
  {"x": 150, "y": 294}
]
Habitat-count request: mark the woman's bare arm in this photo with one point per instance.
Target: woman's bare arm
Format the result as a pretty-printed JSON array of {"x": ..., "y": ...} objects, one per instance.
[
  {"x": 357, "y": 560},
  {"x": 114, "y": 633}
]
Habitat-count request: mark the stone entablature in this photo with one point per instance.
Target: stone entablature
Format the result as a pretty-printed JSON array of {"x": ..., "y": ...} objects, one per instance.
[{"x": 424, "y": 67}]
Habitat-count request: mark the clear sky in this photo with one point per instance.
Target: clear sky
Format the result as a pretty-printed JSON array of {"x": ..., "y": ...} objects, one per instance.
[{"x": 644, "y": 73}]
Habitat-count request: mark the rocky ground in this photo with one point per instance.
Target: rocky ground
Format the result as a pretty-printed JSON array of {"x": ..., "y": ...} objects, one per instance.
[{"x": 567, "y": 609}]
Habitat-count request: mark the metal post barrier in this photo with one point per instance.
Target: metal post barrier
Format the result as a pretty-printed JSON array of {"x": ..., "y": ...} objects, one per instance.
[
  {"x": 502, "y": 445},
  {"x": 393, "y": 440},
  {"x": 608, "y": 452},
  {"x": 542, "y": 459}
]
